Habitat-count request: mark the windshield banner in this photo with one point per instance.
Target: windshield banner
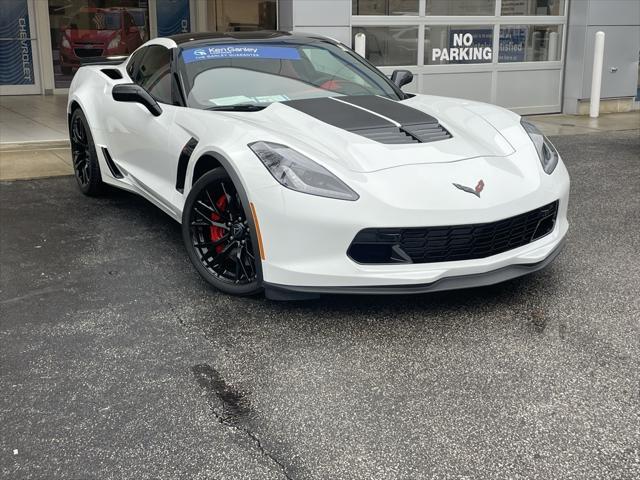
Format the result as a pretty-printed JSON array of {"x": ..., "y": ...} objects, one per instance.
[{"x": 214, "y": 52}]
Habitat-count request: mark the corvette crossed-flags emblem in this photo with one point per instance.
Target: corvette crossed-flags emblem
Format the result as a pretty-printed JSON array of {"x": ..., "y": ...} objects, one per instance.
[{"x": 475, "y": 191}]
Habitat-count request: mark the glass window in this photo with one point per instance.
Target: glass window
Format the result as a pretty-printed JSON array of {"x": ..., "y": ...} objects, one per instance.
[
  {"x": 461, "y": 7},
  {"x": 384, "y": 7},
  {"x": 533, "y": 7},
  {"x": 241, "y": 15},
  {"x": 450, "y": 44},
  {"x": 97, "y": 19},
  {"x": 221, "y": 76},
  {"x": 154, "y": 74},
  {"x": 86, "y": 28},
  {"x": 530, "y": 43},
  {"x": 390, "y": 45},
  {"x": 326, "y": 63},
  {"x": 134, "y": 63}
]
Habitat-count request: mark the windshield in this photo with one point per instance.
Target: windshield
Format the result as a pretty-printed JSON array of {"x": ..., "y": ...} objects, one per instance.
[
  {"x": 220, "y": 75},
  {"x": 96, "y": 21}
]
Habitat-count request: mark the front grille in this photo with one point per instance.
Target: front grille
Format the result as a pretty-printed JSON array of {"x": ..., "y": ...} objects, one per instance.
[
  {"x": 88, "y": 52},
  {"x": 452, "y": 243}
]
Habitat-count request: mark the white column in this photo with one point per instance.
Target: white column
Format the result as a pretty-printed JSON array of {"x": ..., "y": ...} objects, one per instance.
[
  {"x": 553, "y": 47},
  {"x": 596, "y": 78},
  {"x": 360, "y": 44},
  {"x": 43, "y": 54},
  {"x": 201, "y": 16}
]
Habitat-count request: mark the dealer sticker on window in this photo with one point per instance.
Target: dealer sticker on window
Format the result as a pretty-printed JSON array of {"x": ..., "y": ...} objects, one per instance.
[{"x": 214, "y": 52}]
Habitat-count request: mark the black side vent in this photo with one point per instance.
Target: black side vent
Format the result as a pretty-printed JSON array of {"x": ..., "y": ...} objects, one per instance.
[
  {"x": 183, "y": 163},
  {"x": 112, "y": 73},
  {"x": 387, "y": 135},
  {"x": 427, "y": 132},
  {"x": 110, "y": 163}
]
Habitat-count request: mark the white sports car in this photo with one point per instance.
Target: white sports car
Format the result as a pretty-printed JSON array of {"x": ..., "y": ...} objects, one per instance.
[{"x": 298, "y": 168}]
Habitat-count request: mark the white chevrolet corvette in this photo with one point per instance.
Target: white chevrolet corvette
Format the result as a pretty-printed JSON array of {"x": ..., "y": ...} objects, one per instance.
[{"x": 298, "y": 168}]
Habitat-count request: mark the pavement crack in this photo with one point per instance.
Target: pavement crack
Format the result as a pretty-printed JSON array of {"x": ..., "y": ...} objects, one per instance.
[{"x": 231, "y": 407}]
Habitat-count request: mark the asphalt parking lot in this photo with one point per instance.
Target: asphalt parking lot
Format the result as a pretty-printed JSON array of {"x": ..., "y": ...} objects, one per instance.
[{"x": 118, "y": 361}]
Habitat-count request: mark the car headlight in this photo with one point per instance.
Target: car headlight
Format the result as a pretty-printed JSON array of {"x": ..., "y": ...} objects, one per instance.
[
  {"x": 65, "y": 42},
  {"x": 115, "y": 43},
  {"x": 297, "y": 172},
  {"x": 546, "y": 151}
]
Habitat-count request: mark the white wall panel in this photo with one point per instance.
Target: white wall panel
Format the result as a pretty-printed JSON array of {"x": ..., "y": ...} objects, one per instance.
[
  {"x": 531, "y": 89},
  {"x": 322, "y": 12},
  {"x": 613, "y": 12},
  {"x": 472, "y": 86}
]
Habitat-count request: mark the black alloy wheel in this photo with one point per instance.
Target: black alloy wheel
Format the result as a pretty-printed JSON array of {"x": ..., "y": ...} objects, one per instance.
[
  {"x": 217, "y": 234},
  {"x": 83, "y": 153}
]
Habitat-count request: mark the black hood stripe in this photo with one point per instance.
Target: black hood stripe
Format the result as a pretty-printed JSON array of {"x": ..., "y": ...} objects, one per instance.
[
  {"x": 373, "y": 117},
  {"x": 339, "y": 114},
  {"x": 396, "y": 111}
]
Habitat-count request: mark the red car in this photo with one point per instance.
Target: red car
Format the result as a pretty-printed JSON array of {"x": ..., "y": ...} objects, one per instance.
[{"x": 98, "y": 32}]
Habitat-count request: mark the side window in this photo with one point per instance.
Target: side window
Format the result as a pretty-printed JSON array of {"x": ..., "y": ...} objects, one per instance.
[
  {"x": 155, "y": 73},
  {"x": 133, "y": 67}
]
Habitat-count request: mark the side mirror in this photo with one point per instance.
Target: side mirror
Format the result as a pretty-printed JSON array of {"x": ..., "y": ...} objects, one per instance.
[
  {"x": 401, "y": 77},
  {"x": 131, "y": 92}
]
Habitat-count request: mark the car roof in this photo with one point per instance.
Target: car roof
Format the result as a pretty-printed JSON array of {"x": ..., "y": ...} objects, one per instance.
[{"x": 189, "y": 39}]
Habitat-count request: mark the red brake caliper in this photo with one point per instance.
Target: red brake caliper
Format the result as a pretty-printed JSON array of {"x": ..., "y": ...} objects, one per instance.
[{"x": 216, "y": 233}]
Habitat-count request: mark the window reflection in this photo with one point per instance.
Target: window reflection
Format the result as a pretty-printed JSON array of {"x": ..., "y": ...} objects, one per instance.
[
  {"x": 391, "y": 45},
  {"x": 90, "y": 28},
  {"x": 530, "y": 43},
  {"x": 241, "y": 15},
  {"x": 385, "y": 7},
  {"x": 533, "y": 7},
  {"x": 461, "y": 7}
]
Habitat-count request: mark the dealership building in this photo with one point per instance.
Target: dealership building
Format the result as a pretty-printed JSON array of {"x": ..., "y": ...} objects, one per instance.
[{"x": 532, "y": 56}]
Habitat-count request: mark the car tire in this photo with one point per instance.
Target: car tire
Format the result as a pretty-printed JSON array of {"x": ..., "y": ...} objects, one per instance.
[
  {"x": 216, "y": 230},
  {"x": 84, "y": 157}
]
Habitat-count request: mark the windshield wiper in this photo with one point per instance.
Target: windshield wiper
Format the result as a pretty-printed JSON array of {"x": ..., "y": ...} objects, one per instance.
[{"x": 244, "y": 107}]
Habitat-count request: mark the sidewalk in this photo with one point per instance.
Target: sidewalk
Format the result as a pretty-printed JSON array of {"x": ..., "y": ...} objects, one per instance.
[
  {"x": 560, "y": 124},
  {"x": 34, "y": 139}
]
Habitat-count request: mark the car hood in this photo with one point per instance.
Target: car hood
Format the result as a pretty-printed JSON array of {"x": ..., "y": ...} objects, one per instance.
[
  {"x": 89, "y": 36},
  {"x": 337, "y": 131}
]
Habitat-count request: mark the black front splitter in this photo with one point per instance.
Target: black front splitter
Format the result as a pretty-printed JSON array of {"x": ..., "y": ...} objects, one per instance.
[{"x": 289, "y": 292}]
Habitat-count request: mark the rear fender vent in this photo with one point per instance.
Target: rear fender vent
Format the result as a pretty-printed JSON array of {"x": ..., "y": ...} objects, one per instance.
[{"x": 112, "y": 73}]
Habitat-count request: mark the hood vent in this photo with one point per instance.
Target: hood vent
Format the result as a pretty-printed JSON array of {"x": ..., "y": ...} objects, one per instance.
[
  {"x": 427, "y": 132},
  {"x": 392, "y": 135},
  {"x": 420, "y": 133}
]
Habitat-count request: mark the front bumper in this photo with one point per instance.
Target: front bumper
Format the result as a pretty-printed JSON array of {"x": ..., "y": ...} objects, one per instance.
[
  {"x": 69, "y": 58},
  {"x": 306, "y": 238},
  {"x": 509, "y": 272}
]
